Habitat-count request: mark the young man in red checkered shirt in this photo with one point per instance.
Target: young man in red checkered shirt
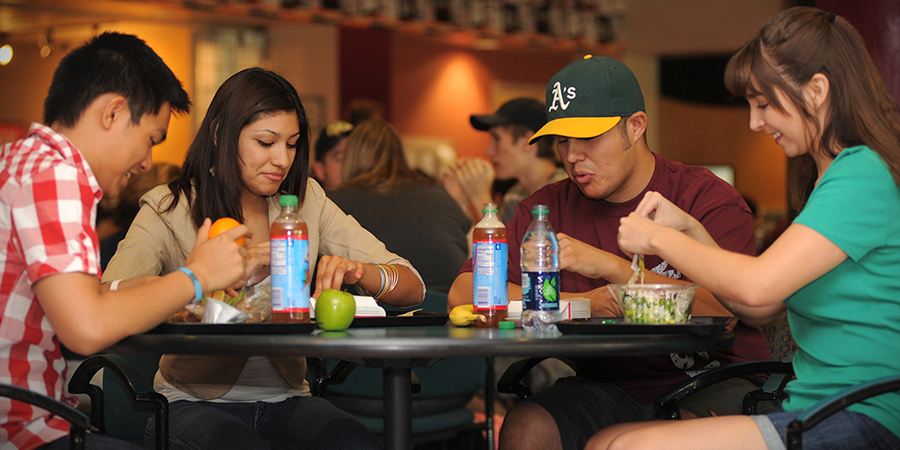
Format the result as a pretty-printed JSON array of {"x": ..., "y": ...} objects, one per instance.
[{"x": 109, "y": 103}]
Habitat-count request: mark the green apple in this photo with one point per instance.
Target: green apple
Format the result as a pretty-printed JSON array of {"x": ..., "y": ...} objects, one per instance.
[{"x": 335, "y": 310}]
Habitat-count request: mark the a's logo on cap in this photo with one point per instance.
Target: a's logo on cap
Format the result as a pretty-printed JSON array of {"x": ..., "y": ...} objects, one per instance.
[{"x": 558, "y": 97}]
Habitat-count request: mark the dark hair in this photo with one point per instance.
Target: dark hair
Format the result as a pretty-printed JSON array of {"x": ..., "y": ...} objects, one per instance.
[
  {"x": 360, "y": 110},
  {"x": 330, "y": 136},
  {"x": 788, "y": 51},
  {"x": 374, "y": 159},
  {"x": 212, "y": 166},
  {"x": 138, "y": 185},
  {"x": 545, "y": 146},
  {"x": 112, "y": 63}
]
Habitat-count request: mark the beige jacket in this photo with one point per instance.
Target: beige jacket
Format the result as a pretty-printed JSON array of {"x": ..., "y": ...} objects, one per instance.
[{"x": 158, "y": 243}]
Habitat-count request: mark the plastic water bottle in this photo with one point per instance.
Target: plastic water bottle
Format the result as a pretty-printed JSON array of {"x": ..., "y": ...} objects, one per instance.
[
  {"x": 540, "y": 275},
  {"x": 289, "y": 250},
  {"x": 489, "y": 250}
]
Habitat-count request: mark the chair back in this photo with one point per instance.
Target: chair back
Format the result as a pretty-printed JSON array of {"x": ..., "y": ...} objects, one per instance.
[
  {"x": 78, "y": 421},
  {"x": 120, "y": 420},
  {"x": 446, "y": 388}
]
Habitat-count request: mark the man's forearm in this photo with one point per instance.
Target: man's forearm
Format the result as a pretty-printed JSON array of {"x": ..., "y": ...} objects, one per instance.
[{"x": 460, "y": 292}]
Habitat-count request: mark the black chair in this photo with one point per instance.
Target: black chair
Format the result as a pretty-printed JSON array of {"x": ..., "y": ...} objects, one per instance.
[
  {"x": 834, "y": 403},
  {"x": 781, "y": 346},
  {"x": 122, "y": 406},
  {"x": 512, "y": 380},
  {"x": 126, "y": 400},
  {"x": 79, "y": 422},
  {"x": 780, "y": 371}
]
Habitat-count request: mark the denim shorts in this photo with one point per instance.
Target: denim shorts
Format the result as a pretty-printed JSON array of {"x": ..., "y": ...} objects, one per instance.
[{"x": 844, "y": 430}]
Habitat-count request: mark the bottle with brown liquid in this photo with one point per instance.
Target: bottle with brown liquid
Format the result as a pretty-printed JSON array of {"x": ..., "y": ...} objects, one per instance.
[
  {"x": 289, "y": 250},
  {"x": 489, "y": 257}
]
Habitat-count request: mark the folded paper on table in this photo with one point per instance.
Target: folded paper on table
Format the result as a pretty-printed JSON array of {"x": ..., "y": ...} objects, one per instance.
[
  {"x": 573, "y": 308},
  {"x": 514, "y": 310},
  {"x": 366, "y": 306}
]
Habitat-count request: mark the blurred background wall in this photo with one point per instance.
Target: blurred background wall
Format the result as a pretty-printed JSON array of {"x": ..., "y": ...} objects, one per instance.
[{"x": 430, "y": 71}]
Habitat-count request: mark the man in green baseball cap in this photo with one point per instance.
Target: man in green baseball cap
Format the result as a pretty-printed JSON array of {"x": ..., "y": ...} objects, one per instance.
[
  {"x": 596, "y": 115},
  {"x": 589, "y": 97}
]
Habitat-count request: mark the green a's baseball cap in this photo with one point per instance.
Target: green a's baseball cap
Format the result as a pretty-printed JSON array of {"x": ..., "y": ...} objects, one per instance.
[{"x": 589, "y": 97}]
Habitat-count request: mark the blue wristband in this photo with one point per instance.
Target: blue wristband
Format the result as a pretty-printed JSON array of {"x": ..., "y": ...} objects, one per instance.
[{"x": 198, "y": 290}]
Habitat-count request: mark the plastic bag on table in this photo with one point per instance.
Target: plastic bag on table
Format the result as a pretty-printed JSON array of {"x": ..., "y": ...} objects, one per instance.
[{"x": 255, "y": 302}]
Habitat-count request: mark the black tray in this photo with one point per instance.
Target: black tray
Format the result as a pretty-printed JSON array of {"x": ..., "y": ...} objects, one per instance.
[
  {"x": 419, "y": 319},
  {"x": 235, "y": 328},
  {"x": 701, "y": 326}
]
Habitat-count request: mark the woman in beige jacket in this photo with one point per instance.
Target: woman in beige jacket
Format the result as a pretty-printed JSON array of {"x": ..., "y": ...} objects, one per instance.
[{"x": 253, "y": 147}]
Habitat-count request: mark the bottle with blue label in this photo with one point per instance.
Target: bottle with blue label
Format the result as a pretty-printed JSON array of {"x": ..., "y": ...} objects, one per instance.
[
  {"x": 540, "y": 273},
  {"x": 289, "y": 254},
  {"x": 489, "y": 257}
]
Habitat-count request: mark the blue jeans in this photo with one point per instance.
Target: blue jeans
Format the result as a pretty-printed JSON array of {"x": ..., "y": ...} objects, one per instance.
[
  {"x": 844, "y": 430},
  {"x": 91, "y": 442},
  {"x": 297, "y": 423}
]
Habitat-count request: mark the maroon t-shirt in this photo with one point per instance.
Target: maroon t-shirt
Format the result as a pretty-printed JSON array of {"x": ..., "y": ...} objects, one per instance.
[{"x": 713, "y": 202}]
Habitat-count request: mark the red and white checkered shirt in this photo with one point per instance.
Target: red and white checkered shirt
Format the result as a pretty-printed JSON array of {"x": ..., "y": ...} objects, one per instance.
[{"x": 48, "y": 206}]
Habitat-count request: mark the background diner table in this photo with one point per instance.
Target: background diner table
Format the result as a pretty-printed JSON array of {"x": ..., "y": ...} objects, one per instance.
[{"x": 397, "y": 349}]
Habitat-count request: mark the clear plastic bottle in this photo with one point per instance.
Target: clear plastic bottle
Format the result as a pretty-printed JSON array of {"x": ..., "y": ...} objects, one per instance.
[
  {"x": 540, "y": 274},
  {"x": 490, "y": 255},
  {"x": 289, "y": 248}
]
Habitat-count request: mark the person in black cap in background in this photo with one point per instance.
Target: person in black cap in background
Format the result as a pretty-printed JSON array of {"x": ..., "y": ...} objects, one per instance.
[
  {"x": 597, "y": 118},
  {"x": 512, "y": 157}
]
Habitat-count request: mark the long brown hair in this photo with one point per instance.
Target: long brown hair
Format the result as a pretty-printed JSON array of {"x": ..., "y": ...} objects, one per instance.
[
  {"x": 374, "y": 159},
  {"x": 211, "y": 179},
  {"x": 788, "y": 51}
]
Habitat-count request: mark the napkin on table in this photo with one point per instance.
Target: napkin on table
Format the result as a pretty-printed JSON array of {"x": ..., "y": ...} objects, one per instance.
[
  {"x": 366, "y": 306},
  {"x": 217, "y": 311}
]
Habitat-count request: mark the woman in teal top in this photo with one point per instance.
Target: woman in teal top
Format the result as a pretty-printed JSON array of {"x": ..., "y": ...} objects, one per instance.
[
  {"x": 847, "y": 322},
  {"x": 812, "y": 86}
]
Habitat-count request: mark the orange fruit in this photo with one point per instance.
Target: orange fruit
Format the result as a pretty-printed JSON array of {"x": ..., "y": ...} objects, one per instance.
[{"x": 222, "y": 225}]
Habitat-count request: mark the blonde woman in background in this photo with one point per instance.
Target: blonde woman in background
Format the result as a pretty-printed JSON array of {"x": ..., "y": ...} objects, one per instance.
[{"x": 407, "y": 210}]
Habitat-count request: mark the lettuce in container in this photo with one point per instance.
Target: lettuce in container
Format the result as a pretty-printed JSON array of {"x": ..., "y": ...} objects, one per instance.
[{"x": 655, "y": 303}]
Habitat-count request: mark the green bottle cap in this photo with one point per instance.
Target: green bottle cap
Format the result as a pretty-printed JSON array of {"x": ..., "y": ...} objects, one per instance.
[
  {"x": 507, "y": 325},
  {"x": 540, "y": 209},
  {"x": 288, "y": 200}
]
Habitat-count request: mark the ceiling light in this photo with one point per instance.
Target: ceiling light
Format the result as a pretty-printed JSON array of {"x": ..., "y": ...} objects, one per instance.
[
  {"x": 6, "y": 54},
  {"x": 46, "y": 43}
]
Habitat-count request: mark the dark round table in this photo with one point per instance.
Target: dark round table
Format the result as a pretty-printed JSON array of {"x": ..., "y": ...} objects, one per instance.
[{"x": 398, "y": 349}]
